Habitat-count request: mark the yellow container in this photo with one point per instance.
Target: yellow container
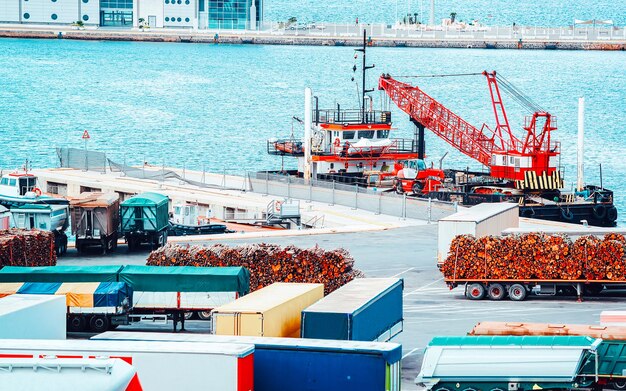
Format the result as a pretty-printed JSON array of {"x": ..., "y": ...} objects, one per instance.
[{"x": 273, "y": 311}]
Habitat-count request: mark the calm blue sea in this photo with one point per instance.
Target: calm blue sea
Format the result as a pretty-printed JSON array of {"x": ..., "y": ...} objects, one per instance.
[
  {"x": 492, "y": 12},
  {"x": 215, "y": 105}
]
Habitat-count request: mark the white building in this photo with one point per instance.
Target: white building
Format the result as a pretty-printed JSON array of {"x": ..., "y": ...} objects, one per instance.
[{"x": 198, "y": 14}]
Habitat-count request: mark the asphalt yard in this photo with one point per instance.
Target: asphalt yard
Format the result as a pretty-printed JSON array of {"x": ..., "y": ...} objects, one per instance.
[{"x": 430, "y": 308}]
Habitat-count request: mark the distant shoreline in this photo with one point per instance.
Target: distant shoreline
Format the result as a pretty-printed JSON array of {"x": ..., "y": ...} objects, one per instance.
[{"x": 319, "y": 39}]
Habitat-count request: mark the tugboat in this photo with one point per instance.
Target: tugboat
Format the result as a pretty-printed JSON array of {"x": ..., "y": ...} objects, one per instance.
[
  {"x": 31, "y": 209},
  {"x": 353, "y": 146},
  {"x": 185, "y": 220}
]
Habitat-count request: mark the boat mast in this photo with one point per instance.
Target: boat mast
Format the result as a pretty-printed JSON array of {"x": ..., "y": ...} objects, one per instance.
[{"x": 363, "y": 71}]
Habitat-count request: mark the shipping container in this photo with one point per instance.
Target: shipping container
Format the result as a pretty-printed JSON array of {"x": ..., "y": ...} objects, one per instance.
[
  {"x": 273, "y": 311},
  {"x": 60, "y": 273},
  {"x": 480, "y": 220},
  {"x": 159, "y": 365},
  {"x": 294, "y": 364},
  {"x": 610, "y": 333},
  {"x": 95, "y": 220},
  {"x": 32, "y": 317},
  {"x": 97, "y": 305},
  {"x": 92, "y": 374},
  {"x": 144, "y": 218},
  {"x": 365, "y": 309}
]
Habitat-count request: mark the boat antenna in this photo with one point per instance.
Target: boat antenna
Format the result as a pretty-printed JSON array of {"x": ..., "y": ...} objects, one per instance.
[{"x": 364, "y": 68}]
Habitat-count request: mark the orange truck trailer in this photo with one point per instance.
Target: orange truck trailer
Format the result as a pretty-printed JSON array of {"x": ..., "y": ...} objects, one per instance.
[{"x": 613, "y": 333}]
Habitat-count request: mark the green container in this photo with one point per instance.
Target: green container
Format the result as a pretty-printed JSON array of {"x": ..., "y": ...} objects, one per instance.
[
  {"x": 60, "y": 273},
  {"x": 186, "y": 279},
  {"x": 147, "y": 212}
]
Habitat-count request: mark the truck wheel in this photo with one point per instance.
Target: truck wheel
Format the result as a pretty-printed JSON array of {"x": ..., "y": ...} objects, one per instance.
[
  {"x": 188, "y": 315},
  {"x": 517, "y": 292},
  {"x": 76, "y": 323},
  {"x": 495, "y": 291},
  {"x": 619, "y": 385},
  {"x": 204, "y": 315},
  {"x": 475, "y": 291},
  {"x": 99, "y": 323}
]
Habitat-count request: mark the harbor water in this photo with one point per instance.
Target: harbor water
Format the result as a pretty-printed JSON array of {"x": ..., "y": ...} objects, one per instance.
[
  {"x": 214, "y": 106},
  {"x": 491, "y": 12}
]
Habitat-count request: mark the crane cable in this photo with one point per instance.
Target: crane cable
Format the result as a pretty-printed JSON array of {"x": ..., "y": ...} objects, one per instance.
[
  {"x": 440, "y": 75},
  {"x": 521, "y": 98}
]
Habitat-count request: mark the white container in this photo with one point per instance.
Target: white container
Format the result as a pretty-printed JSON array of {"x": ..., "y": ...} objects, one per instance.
[
  {"x": 61, "y": 374},
  {"x": 159, "y": 365},
  {"x": 33, "y": 317},
  {"x": 480, "y": 220}
]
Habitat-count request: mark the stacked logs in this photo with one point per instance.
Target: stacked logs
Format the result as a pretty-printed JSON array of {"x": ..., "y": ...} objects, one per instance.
[
  {"x": 536, "y": 256},
  {"x": 27, "y": 248},
  {"x": 267, "y": 263}
]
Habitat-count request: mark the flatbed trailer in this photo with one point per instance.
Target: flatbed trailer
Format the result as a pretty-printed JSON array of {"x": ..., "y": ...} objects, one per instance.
[{"x": 519, "y": 289}]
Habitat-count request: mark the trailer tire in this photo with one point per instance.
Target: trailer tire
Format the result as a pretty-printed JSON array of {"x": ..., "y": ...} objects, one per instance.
[
  {"x": 475, "y": 291},
  {"x": 517, "y": 292},
  {"x": 188, "y": 315},
  {"x": 619, "y": 385},
  {"x": 76, "y": 323},
  {"x": 99, "y": 323},
  {"x": 496, "y": 291},
  {"x": 611, "y": 214},
  {"x": 204, "y": 315}
]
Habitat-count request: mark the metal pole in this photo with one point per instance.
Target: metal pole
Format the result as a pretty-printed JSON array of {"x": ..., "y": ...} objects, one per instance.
[
  {"x": 267, "y": 183},
  {"x": 86, "y": 161},
  {"x": 224, "y": 179},
  {"x": 307, "y": 135},
  {"x": 430, "y": 210},
  {"x": 403, "y": 214},
  {"x": 356, "y": 197},
  {"x": 310, "y": 192},
  {"x": 380, "y": 199},
  {"x": 581, "y": 142},
  {"x": 333, "y": 199},
  {"x": 288, "y": 187}
]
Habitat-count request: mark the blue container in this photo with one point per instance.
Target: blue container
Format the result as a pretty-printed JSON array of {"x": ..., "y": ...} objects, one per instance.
[{"x": 365, "y": 309}]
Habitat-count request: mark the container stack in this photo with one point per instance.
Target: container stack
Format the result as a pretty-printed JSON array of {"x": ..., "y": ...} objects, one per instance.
[
  {"x": 267, "y": 263},
  {"x": 27, "y": 248},
  {"x": 536, "y": 256}
]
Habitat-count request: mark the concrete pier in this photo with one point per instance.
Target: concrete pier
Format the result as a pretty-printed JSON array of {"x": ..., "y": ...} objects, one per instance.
[{"x": 566, "y": 38}]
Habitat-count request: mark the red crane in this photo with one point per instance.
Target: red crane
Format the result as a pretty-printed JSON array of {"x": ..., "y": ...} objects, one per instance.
[{"x": 523, "y": 160}]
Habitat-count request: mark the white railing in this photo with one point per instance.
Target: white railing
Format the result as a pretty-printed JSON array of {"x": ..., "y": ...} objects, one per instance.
[{"x": 470, "y": 33}]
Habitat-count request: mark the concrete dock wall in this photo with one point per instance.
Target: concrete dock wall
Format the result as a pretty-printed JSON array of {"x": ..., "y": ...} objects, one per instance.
[{"x": 612, "y": 38}]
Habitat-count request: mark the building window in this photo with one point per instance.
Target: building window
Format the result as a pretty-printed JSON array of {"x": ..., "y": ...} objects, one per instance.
[
  {"x": 187, "y": 20},
  {"x": 167, "y": 19},
  {"x": 180, "y": 19},
  {"x": 201, "y": 5},
  {"x": 85, "y": 17},
  {"x": 180, "y": 2},
  {"x": 54, "y": 1},
  {"x": 54, "y": 16},
  {"x": 26, "y": 15},
  {"x": 230, "y": 14},
  {"x": 167, "y": 1},
  {"x": 187, "y": 2},
  {"x": 85, "y": 1}
]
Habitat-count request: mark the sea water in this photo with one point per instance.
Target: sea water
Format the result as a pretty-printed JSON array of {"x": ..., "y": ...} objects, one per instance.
[{"x": 214, "y": 106}]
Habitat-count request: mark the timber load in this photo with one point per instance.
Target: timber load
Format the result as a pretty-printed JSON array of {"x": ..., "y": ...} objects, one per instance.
[
  {"x": 536, "y": 256},
  {"x": 267, "y": 263},
  {"x": 19, "y": 247}
]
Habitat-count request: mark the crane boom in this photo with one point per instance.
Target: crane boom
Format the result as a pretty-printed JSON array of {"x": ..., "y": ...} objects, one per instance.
[
  {"x": 443, "y": 122},
  {"x": 506, "y": 156}
]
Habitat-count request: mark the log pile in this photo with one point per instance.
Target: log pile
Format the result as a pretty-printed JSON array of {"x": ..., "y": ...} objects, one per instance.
[
  {"x": 267, "y": 263},
  {"x": 536, "y": 256},
  {"x": 27, "y": 248}
]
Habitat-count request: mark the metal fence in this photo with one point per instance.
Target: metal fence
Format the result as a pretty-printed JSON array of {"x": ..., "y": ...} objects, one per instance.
[
  {"x": 482, "y": 33},
  {"x": 82, "y": 159},
  {"x": 354, "y": 196}
]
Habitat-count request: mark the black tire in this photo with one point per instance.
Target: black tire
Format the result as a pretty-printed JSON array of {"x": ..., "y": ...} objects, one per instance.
[
  {"x": 619, "y": 385},
  {"x": 567, "y": 215},
  {"x": 204, "y": 315},
  {"x": 475, "y": 291},
  {"x": 529, "y": 213},
  {"x": 99, "y": 323},
  {"x": 496, "y": 291},
  {"x": 417, "y": 188},
  {"x": 76, "y": 323},
  {"x": 593, "y": 289},
  {"x": 188, "y": 315},
  {"x": 517, "y": 292},
  {"x": 611, "y": 214},
  {"x": 599, "y": 211}
]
